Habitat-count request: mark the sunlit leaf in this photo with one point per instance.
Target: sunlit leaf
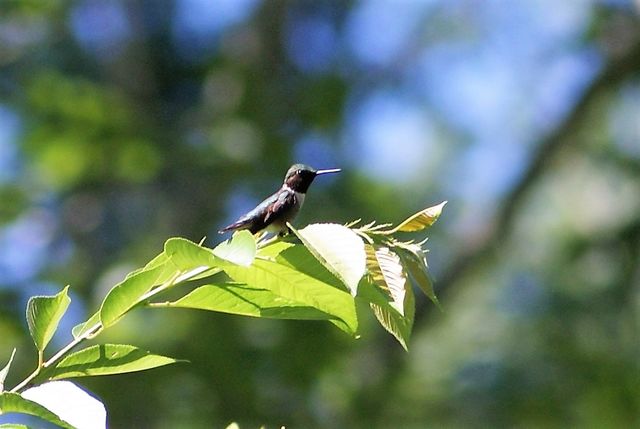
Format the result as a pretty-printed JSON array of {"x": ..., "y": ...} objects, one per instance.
[
  {"x": 105, "y": 359},
  {"x": 187, "y": 255},
  {"x": 274, "y": 249},
  {"x": 339, "y": 249},
  {"x": 296, "y": 286},
  {"x": 421, "y": 220},
  {"x": 69, "y": 402},
  {"x": 81, "y": 328},
  {"x": 159, "y": 260},
  {"x": 4, "y": 371},
  {"x": 126, "y": 294},
  {"x": 240, "y": 250},
  {"x": 162, "y": 260},
  {"x": 15, "y": 403},
  {"x": 245, "y": 300},
  {"x": 44, "y": 314},
  {"x": 388, "y": 274}
]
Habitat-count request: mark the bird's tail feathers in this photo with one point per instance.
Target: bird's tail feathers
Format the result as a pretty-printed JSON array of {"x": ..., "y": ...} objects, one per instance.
[{"x": 236, "y": 225}]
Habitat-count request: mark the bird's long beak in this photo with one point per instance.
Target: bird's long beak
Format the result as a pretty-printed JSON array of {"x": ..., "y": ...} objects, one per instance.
[{"x": 331, "y": 170}]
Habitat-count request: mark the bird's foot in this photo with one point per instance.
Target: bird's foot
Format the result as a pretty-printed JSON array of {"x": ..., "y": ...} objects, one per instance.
[
  {"x": 286, "y": 231},
  {"x": 264, "y": 241}
]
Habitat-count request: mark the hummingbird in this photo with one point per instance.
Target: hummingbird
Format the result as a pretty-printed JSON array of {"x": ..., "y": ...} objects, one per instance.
[{"x": 272, "y": 214}]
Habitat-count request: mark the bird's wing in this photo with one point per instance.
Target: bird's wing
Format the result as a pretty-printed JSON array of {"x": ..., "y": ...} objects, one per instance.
[
  {"x": 267, "y": 212},
  {"x": 282, "y": 204},
  {"x": 252, "y": 219}
]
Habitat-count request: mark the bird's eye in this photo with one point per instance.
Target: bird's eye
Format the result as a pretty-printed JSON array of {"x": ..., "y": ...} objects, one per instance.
[{"x": 299, "y": 172}]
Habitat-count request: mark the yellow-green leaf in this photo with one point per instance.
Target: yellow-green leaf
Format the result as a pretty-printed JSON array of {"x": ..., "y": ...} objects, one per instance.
[
  {"x": 126, "y": 294},
  {"x": 187, "y": 255},
  {"x": 293, "y": 285},
  {"x": 421, "y": 220},
  {"x": 245, "y": 300},
  {"x": 81, "y": 328},
  {"x": 44, "y": 314},
  {"x": 240, "y": 250},
  {"x": 105, "y": 359}
]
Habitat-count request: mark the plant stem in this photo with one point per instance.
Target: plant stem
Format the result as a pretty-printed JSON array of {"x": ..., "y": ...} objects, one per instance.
[
  {"x": 58, "y": 356},
  {"x": 97, "y": 328}
]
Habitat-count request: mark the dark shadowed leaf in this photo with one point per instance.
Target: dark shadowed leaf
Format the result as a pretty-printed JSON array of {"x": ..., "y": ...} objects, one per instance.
[
  {"x": 419, "y": 272},
  {"x": 4, "y": 371}
]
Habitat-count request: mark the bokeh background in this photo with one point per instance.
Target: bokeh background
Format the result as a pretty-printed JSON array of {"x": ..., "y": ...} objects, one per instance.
[{"x": 123, "y": 123}]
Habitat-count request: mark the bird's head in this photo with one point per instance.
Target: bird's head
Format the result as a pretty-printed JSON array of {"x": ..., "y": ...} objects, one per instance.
[{"x": 300, "y": 176}]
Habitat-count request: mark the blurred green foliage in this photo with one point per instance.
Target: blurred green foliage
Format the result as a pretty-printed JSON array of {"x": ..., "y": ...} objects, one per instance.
[{"x": 130, "y": 126}]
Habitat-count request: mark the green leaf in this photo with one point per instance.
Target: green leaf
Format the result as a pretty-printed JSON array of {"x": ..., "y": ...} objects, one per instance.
[
  {"x": 81, "y": 328},
  {"x": 294, "y": 285},
  {"x": 421, "y": 220},
  {"x": 242, "y": 299},
  {"x": 388, "y": 274},
  {"x": 398, "y": 326},
  {"x": 274, "y": 249},
  {"x": 5, "y": 371},
  {"x": 15, "y": 403},
  {"x": 240, "y": 250},
  {"x": 419, "y": 272},
  {"x": 339, "y": 249},
  {"x": 13, "y": 426},
  {"x": 44, "y": 314},
  {"x": 162, "y": 260},
  {"x": 126, "y": 294},
  {"x": 105, "y": 359},
  {"x": 187, "y": 255}
]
